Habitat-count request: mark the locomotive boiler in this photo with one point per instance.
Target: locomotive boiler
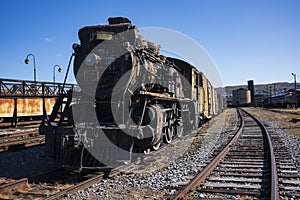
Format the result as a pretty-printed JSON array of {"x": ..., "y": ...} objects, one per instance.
[{"x": 131, "y": 99}]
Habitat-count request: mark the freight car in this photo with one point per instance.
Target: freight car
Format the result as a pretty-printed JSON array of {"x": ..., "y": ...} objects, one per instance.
[{"x": 131, "y": 99}]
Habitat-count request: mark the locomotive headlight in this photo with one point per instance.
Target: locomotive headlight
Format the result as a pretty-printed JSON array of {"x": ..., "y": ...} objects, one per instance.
[{"x": 91, "y": 59}]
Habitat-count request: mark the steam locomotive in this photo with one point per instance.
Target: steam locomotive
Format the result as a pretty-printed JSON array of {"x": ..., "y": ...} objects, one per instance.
[{"x": 130, "y": 99}]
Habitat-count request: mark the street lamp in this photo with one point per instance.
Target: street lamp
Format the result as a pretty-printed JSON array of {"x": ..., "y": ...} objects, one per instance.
[
  {"x": 295, "y": 80},
  {"x": 59, "y": 70},
  {"x": 34, "y": 66}
]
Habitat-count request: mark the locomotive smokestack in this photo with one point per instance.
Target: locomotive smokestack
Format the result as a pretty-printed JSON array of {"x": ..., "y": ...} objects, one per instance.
[
  {"x": 251, "y": 88},
  {"x": 118, "y": 20}
]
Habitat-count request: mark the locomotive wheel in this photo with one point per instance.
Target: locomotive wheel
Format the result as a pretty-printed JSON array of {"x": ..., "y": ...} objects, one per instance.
[
  {"x": 169, "y": 134},
  {"x": 156, "y": 147},
  {"x": 151, "y": 129},
  {"x": 147, "y": 151},
  {"x": 179, "y": 130}
]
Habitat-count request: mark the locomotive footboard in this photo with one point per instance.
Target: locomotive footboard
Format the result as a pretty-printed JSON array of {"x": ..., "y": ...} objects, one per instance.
[{"x": 89, "y": 147}]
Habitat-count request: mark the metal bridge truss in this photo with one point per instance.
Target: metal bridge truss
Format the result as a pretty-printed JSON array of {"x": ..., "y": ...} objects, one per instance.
[
  {"x": 16, "y": 89},
  {"x": 10, "y": 88}
]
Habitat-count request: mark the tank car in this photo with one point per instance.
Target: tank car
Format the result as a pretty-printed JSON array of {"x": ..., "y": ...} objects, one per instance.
[{"x": 131, "y": 99}]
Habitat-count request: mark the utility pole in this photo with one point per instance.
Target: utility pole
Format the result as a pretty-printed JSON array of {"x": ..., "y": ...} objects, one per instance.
[
  {"x": 295, "y": 87},
  {"x": 270, "y": 93}
]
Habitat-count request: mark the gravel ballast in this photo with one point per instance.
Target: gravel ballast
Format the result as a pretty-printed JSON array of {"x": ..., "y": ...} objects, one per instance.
[{"x": 163, "y": 179}]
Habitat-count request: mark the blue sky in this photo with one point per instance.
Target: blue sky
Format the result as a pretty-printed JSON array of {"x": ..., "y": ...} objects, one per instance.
[{"x": 246, "y": 39}]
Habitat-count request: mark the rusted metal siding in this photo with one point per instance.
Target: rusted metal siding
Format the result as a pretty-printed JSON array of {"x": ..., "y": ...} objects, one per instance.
[
  {"x": 201, "y": 100},
  {"x": 206, "y": 96},
  {"x": 215, "y": 102},
  {"x": 25, "y": 106},
  {"x": 194, "y": 84},
  {"x": 209, "y": 99}
]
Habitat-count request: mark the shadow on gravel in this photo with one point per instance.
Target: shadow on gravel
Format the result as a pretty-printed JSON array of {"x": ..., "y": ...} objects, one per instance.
[{"x": 18, "y": 164}]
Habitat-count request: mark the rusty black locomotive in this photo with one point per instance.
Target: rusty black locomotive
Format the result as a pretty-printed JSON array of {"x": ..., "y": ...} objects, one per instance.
[{"x": 130, "y": 99}]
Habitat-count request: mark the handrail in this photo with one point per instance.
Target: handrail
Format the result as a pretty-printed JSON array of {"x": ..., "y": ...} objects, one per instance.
[{"x": 11, "y": 88}]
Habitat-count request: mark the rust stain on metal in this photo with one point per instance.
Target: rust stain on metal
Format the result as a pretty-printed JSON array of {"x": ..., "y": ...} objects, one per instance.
[{"x": 25, "y": 106}]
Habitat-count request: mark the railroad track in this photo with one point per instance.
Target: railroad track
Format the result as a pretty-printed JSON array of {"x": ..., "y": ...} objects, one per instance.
[
  {"x": 87, "y": 183},
  {"x": 42, "y": 185},
  {"x": 245, "y": 169},
  {"x": 20, "y": 140},
  {"x": 12, "y": 186},
  {"x": 21, "y": 124},
  {"x": 248, "y": 167},
  {"x": 56, "y": 183}
]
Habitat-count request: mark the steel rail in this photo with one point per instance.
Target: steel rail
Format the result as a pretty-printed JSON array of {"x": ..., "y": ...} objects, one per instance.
[
  {"x": 15, "y": 141},
  {"x": 274, "y": 175},
  {"x": 87, "y": 183},
  {"x": 20, "y": 140},
  {"x": 75, "y": 188},
  {"x": 13, "y": 185},
  {"x": 8, "y": 136},
  {"x": 201, "y": 176}
]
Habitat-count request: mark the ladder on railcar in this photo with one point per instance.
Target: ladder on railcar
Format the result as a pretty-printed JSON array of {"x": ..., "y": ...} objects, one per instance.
[{"x": 62, "y": 112}]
